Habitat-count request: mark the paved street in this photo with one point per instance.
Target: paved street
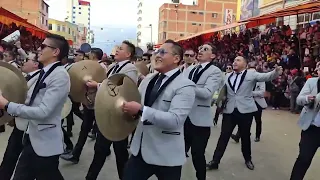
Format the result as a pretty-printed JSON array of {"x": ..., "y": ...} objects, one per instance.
[{"x": 273, "y": 156}]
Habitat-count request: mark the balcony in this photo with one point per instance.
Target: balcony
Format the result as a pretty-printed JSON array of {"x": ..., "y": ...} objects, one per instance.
[
  {"x": 138, "y": 33},
  {"x": 140, "y": 19},
  {"x": 139, "y": 12},
  {"x": 139, "y": 26}
]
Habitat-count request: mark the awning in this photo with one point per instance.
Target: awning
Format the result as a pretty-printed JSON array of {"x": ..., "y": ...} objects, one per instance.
[
  {"x": 7, "y": 17},
  {"x": 309, "y": 7},
  {"x": 213, "y": 30}
]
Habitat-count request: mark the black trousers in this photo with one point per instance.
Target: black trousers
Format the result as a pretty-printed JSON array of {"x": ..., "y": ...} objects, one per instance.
[
  {"x": 258, "y": 118},
  {"x": 229, "y": 121},
  {"x": 67, "y": 140},
  {"x": 86, "y": 126},
  {"x": 138, "y": 169},
  {"x": 31, "y": 166},
  {"x": 75, "y": 110},
  {"x": 102, "y": 150},
  {"x": 11, "y": 155},
  {"x": 308, "y": 146},
  {"x": 196, "y": 138}
]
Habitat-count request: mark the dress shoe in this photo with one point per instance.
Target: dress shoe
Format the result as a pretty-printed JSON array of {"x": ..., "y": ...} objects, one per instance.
[
  {"x": 249, "y": 165},
  {"x": 257, "y": 139},
  {"x": 235, "y": 138},
  {"x": 93, "y": 136},
  {"x": 2, "y": 128},
  {"x": 69, "y": 157},
  {"x": 212, "y": 165}
]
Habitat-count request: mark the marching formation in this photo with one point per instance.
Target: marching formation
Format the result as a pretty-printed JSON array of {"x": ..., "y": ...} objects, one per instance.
[{"x": 164, "y": 103}]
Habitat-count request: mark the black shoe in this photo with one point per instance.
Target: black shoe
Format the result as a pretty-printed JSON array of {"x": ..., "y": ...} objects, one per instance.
[
  {"x": 249, "y": 165},
  {"x": 2, "y": 128},
  {"x": 69, "y": 157},
  {"x": 235, "y": 138},
  {"x": 257, "y": 139},
  {"x": 212, "y": 165}
]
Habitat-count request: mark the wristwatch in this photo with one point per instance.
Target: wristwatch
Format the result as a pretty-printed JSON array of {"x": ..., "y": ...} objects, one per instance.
[{"x": 6, "y": 106}]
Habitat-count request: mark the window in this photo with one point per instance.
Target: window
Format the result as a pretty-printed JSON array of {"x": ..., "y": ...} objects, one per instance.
[
  {"x": 300, "y": 18},
  {"x": 194, "y": 24},
  {"x": 73, "y": 22},
  {"x": 164, "y": 24},
  {"x": 164, "y": 35},
  {"x": 58, "y": 27},
  {"x": 201, "y": 13},
  {"x": 42, "y": 5},
  {"x": 63, "y": 29},
  {"x": 69, "y": 31},
  {"x": 73, "y": 17},
  {"x": 50, "y": 26},
  {"x": 308, "y": 17},
  {"x": 79, "y": 12},
  {"x": 192, "y": 12},
  {"x": 46, "y": 22},
  {"x": 73, "y": 12},
  {"x": 72, "y": 33},
  {"x": 199, "y": 24},
  {"x": 74, "y": 7},
  {"x": 181, "y": 35},
  {"x": 214, "y": 15},
  {"x": 316, "y": 15},
  {"x": 213, "y": 25},
  {"x": 47, "y": 8},
  {"x": 42, "y": 20},
  {"x": 79, "y": 7}
]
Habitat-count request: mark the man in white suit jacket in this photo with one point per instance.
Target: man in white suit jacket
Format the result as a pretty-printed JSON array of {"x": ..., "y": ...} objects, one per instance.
[
  {"x": 43, "y": 140},
  {"x": 197, "y": 128},
  {"x": 32, "y": 68},
  {"x": 167, "y": 98},
  {"x": 309, "y": 122}
]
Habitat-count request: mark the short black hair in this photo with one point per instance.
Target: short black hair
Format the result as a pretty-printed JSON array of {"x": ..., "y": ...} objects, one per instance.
[
  {"x": 177, "y": 49},
  {"x": 97, "y": 52},
  {"x": 61, "y": 43},
  {"x": 131, "y": 49}
]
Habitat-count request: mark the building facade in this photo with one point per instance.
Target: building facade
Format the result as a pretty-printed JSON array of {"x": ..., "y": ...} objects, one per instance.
[
  {"x": 78, "y": 12},
  {"x": 65, "y": 29},
  {"x": 177, "y": 20},
  {"x": 268, "y": 6},
  {"x": 35, "y": 11}
]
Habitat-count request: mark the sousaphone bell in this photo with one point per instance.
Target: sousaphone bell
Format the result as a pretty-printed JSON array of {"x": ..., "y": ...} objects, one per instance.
[
  {"x": 113, "y": 123},
  {"x": 13, "y": 87},
  {"x": 80, "y": 73}
]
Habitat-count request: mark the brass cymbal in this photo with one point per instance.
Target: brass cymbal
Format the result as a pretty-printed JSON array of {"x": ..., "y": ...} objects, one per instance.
[
  {"x": 67, "y": 107},
  {"x": 113, "y": 123},
  {"x": 13, "y": 87},
  {"x": 80, "y": 73},
  {"x": 142, "y": 68}
]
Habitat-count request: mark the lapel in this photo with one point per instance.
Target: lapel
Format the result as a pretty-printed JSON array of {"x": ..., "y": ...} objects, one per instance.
[
  {"x": 118, "y": 70},
  {"x": 123, "y": 65},
  {"x": 229, "y": 81},
  {"x": 191, "y": 72},
  {"x": 151, "y": 84},
  {"x": 196, "y": 79},
  {"x": 40, "y": 81},
  {"x": 33, "y": 75},
  {"x": 241, "y": 80}
]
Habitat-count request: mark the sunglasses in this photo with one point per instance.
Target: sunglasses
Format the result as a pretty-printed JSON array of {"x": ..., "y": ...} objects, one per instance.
[
  {"x": 43, "y": 46},
  {"x": 229, "y": 68},
  {"x": 162, "y": 52},
  {"x": 189, "y": 55}
]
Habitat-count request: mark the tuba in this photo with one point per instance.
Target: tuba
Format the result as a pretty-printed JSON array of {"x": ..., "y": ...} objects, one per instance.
[
  {"x": 13, "y": 86},
  {"x": 80, "y": 73}
]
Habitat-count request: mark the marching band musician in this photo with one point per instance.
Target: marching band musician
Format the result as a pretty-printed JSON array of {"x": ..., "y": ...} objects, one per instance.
[
  {"x": 207, "y": 78},
  {"x": 123, "y": 65},
  {"x": 239, "y": 108},
  {"x": 167, "y": 98},
  {"x": 43, "y": 139},
  {"x": 189, "y": 58},
  {"x": 79, "y": 56},
  {"x": 32, "y": 68},
  {"x": 88, "y": 120},
  {"x": 309, "y": 122}
]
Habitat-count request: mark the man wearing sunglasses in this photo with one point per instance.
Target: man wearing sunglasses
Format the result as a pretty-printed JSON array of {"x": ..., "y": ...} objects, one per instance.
[
  {"x": 45, "y": 99},
  {"x": 158, "y": 143},
  {"x": 189, "y": 58},
  {"x": 207, "y": 78},
  {"x": 32, "y": 68}
]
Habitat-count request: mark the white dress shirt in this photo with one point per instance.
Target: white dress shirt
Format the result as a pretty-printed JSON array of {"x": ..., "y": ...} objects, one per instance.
[
  {"x": 168, "y": 75},
  {"x": 233, "y": 78},
  {"x": 119, "y": 65}
]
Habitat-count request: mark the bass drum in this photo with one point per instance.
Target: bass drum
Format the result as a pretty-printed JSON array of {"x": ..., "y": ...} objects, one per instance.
[{"x": 67, "y": 107}]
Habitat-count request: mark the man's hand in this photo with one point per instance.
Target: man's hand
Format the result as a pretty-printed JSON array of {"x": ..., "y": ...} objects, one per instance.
[
  {"x": 18, "y": 44},
  {"x": 92, "y": 84},
  {"x": 311, "y": 98},
  {"x": 3, "y": 102},
  {"x": 131, "y": 108}
]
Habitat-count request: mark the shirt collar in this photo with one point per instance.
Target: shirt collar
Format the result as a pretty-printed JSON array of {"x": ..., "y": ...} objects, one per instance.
[
  {"x": 46, "y": 69},
  {"x": 122, "y": 62},
  {"x": 33, "y": 72},
  {"x": 170, "y": 73},
  {"x": 203, "y": 64}
]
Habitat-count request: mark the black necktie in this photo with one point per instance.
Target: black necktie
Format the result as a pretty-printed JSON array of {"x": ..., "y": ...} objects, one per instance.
[
  {"x": 156, "y": 87},
  {"x": 196, "y": 72},
  {"x": 235, "y": 82},
  {"x": 116, "y": 67},
  {"x": 28, "y": 77}
]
